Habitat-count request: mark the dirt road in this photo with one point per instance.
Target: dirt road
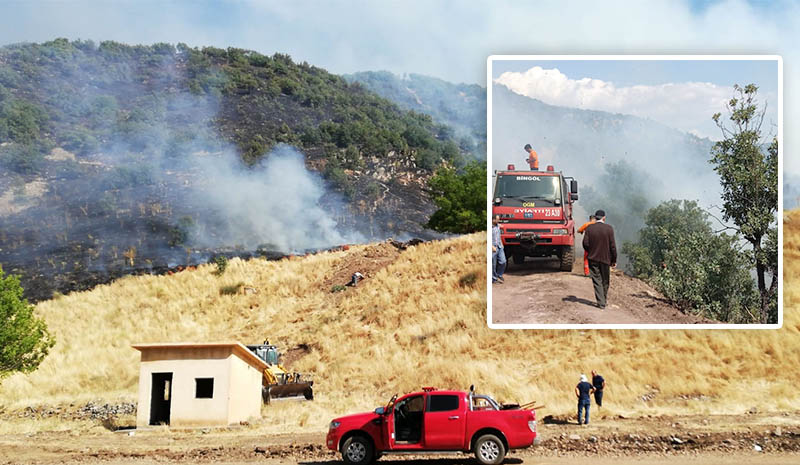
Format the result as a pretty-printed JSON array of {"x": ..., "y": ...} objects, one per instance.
[
  {"x": 538, "y": 293},
  {"x": 720, "y": 440}
]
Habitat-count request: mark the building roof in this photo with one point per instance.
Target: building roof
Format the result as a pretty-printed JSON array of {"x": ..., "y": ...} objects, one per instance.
[{"x": 237, "y": 348}]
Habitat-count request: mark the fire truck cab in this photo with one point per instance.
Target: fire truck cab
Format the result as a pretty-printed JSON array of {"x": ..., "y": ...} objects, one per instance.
[{"x": 535, "y": 210}]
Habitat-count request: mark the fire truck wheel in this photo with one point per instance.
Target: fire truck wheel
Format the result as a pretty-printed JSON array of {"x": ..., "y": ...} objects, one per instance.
[
  {"x": 567, "y": 258},
  {"x": 357, "y": 450},
  {"x": 489, "y": 450},
  {"x": 308, "y": 394},
  {"x": 518, "y": 258}
]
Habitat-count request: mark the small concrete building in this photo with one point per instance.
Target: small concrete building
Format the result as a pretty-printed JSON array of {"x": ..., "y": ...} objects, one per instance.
[{"x": 198, "y": 384}]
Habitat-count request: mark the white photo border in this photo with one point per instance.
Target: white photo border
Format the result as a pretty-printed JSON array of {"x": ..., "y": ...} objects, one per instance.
[{"x": 489, "y": 81}]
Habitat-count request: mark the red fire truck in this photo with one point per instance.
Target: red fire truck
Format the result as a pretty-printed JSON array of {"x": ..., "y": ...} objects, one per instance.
[{"x": 535, "y": 209}]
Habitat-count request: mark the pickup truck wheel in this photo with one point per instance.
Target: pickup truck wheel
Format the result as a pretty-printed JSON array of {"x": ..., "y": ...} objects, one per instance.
[
  {"x": 489, "y": 450},
  {"x": 357, "y": 450}
]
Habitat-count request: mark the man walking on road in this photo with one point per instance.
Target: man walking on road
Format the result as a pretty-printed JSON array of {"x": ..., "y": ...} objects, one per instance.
[
  {"x": 598, "y": 241},
  {"x": 599, "y": 384},
  {"x": 498, "y": 254},
  {"x": 583, "y": 391}
]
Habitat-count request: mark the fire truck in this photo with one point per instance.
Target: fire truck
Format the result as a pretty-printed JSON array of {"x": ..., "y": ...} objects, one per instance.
[{"x": 535, "y": 209}]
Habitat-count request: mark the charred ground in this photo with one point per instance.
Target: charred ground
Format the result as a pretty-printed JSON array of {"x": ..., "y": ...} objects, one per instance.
[{"x": 100, "y": 147}]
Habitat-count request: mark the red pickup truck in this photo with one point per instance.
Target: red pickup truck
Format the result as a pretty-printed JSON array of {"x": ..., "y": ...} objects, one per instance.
[{"x": 434, "y": 421}]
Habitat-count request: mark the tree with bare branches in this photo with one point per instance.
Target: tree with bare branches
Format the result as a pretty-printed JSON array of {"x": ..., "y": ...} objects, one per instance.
[{"x": 748, "y": 168}]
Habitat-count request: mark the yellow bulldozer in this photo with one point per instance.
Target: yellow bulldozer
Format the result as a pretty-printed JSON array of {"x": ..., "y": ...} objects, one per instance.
[{"x": 277, "y": 381}]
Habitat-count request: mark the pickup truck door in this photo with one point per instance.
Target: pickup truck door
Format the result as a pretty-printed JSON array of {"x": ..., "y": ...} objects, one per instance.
[
  {"x": 413, "y": 405},
  {"x": 445, "y": 421}
]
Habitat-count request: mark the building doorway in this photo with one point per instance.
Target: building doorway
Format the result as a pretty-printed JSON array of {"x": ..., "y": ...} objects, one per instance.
[{"x": 160, "y": 398}]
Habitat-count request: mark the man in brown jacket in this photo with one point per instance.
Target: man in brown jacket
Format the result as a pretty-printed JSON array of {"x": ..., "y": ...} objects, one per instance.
[{"x": 598, "y": 241}]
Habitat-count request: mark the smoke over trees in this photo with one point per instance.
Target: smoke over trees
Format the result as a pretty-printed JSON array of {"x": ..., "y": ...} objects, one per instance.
[
  {"x": 461, "y": 106},
  {"x": 625, "y": 192},
  {"x": 697, "y": 268}
]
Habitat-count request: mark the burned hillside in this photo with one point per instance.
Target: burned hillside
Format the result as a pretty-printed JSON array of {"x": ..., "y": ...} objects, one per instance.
[{"x": 118, "y": 159}]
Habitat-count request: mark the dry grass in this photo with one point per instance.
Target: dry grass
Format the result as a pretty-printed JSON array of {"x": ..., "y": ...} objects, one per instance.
[{"x": 417, "y": 322}]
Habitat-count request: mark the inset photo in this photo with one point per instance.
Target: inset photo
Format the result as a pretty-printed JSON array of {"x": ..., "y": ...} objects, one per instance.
[{"x": 634, "y": 191}]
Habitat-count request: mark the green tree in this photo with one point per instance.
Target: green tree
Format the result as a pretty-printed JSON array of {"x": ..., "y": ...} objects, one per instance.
[
  {"x": 697, "y": 269},
  {"x": 23, "y": 121},
  {"x": 461, "y": 199},
  {"x": 24, "y": 339},
  {"x": 748, "y": 171},
  {"x": 21, "y": 158}
]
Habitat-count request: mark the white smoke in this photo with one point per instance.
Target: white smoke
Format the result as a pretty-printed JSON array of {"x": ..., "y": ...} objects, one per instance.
[{"x": 278, "y": 204}]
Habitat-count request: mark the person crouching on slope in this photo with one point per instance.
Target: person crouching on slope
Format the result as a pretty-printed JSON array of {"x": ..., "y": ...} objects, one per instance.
[{"x": 592, "y": 220}]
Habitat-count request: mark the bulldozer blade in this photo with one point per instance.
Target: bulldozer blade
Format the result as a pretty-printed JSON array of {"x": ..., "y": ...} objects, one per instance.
[{"x": 276, "y": 391}]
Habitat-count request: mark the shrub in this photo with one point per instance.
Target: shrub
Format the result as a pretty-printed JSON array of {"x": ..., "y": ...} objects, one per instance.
[
  {"x": 698, "y": 270},
  {"x": 25, "y": 159},
  {"x": 468, "y": 280},
  {"x": 231, "y": 289},
  {"x": 222, "y": 264}
]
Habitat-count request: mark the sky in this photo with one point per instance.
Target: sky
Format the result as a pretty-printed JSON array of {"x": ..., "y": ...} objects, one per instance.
[
  {"x": 682, "y": 94},
  {"x": 448, "y": 39}
]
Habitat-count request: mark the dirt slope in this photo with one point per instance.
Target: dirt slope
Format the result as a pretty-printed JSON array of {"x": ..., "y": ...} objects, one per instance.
[{"x": 537, "y": 293}]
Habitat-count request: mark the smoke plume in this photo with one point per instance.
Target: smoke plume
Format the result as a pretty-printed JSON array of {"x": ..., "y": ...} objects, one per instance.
[{"x": 278, "y": 204}]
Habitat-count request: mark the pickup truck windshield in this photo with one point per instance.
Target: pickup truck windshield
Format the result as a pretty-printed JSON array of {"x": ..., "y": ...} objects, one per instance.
[{"x": 516, "y": 190}]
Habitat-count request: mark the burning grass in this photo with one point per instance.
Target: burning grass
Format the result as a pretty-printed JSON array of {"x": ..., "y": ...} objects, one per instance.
[{"x": 413, "y": 322}]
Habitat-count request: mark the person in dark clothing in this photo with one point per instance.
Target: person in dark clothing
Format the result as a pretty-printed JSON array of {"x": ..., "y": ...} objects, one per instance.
[
  {"x": 598, "y": 241},
  {"x": 583, "y": 391},
  {"x": 599, "y": 384}
]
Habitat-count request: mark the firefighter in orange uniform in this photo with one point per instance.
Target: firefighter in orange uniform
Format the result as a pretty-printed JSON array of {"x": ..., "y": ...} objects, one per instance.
[
  {"x": 533, "y": 158},
  {"x": 591, "y": 221}
]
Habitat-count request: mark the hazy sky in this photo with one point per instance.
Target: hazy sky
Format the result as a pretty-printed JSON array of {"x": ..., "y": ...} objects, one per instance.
[
  {"x": 448, "y": 39},
  {"x": 682, "y": 94}
]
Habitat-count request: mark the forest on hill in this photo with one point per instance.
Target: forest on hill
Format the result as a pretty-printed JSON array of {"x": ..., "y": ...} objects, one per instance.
[
  {"x": 460, "y": 106},
  {"x": 120, "y": 158}
]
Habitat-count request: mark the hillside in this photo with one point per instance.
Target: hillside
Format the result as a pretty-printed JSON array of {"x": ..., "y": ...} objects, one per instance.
[
  {"x": 585, "y": 143},
  {"x": 418, "y": 319},
  {"x": 119, "y": 159},
  {"x": 459, "y": 106}
]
